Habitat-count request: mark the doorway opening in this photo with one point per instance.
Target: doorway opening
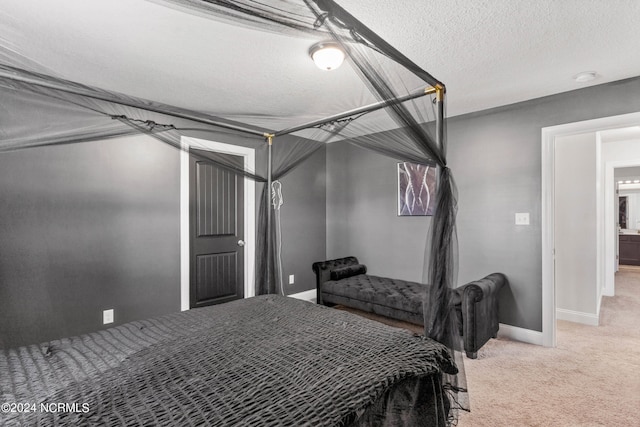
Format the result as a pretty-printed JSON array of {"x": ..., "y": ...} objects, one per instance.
[{"x": 603, "y": 228}]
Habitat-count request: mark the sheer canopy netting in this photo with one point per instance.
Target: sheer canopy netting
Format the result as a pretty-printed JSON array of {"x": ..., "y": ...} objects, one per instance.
[{"x": 399, "y": 112}]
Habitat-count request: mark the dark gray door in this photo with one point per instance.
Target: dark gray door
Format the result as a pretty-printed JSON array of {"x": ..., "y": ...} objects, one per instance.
[{"x": 217, "y": 231}]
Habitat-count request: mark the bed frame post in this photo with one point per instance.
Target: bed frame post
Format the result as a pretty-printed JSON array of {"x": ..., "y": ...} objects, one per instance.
[
  {"x": 269, "y": 137},
  {"x": 440, "y": 93}
]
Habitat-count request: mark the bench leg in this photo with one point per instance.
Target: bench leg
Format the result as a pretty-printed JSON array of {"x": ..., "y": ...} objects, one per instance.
[{"x": 472, "y": 354}]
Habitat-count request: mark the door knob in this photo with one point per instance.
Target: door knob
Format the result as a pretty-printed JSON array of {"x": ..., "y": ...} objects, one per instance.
[{"x": 241, "y": 242}]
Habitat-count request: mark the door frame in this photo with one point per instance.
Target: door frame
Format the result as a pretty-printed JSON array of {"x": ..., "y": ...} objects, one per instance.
[
  {"x": 549, "y": 135},
  {"x": 249, "y": 212}
]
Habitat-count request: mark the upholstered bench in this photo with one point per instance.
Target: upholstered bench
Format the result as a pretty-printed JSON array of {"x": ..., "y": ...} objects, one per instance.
[{"x": 344, "y": 282}]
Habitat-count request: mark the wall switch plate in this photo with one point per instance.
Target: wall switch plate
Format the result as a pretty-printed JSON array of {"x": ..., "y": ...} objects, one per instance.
[
  {"x": 107, "y": 316},
  {"x": 522, "y": 218},
  {"x": 291, "y": 279}
]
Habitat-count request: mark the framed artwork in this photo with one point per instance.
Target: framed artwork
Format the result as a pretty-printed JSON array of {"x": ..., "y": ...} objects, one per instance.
[{"x": 416, "y": 189}]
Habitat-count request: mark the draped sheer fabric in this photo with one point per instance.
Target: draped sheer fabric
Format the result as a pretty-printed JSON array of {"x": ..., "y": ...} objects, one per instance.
[{"x": 412, "y": 130}]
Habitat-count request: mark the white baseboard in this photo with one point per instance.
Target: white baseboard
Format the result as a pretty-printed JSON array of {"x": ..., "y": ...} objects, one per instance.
[
  {"x": 309, "y": 295},
  {"x": 577, "y": 317},
  {"x": 520, "y": 334}
]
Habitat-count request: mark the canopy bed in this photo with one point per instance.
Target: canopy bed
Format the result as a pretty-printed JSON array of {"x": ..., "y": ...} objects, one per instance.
[{"x": 401, "y": 116}]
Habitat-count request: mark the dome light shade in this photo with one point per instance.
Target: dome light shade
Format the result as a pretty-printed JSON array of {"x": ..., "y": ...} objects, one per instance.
[
  {"x": 585, "y": 76},
  {"x": 327, "y": 55}
]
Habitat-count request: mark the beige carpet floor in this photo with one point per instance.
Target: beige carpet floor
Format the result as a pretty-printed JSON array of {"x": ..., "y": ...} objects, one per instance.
[{"x": 592, "y": 377}]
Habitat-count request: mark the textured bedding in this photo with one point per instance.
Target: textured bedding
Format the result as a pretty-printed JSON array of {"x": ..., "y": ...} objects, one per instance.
[{"x": 263, "y": 361}]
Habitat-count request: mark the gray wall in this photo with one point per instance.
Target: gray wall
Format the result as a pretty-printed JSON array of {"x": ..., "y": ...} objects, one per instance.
[
  {"x": 84, "y": 228},
  {"x": 304, "y": 222},
  {"x": 362, "y": 215},
  {"x": 96, "y": 225},
  {"x": 495, "y": 157}
]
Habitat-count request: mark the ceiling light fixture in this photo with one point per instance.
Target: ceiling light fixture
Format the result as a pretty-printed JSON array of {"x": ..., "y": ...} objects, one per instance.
[
  {"x": 327, "y": 55},
  {"x": 585, "y": 76}
]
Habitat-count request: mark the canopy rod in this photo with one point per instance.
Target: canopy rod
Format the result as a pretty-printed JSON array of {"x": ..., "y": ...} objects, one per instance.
[
  {"x": 6, "y": 72},
  {"x": 366, "y": 109},
  {"x": 342, "y": 15}
]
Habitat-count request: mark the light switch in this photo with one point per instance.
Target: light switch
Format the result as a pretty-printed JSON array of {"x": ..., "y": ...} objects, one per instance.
[
  {"x": 522, "y": 218},
  {"x": 291, "y": 279}
]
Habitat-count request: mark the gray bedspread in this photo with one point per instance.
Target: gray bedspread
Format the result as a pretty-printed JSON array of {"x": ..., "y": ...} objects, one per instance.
[{"x": 263, "y": 361}]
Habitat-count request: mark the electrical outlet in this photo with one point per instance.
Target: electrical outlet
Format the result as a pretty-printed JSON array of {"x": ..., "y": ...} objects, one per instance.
[
  {"x": 291, "y": 279},
  {"x": 107, "y": 316},
  {"x": 522, "y": 218}
]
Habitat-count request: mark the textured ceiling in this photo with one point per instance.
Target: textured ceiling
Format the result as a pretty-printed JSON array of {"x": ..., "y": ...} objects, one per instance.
[
  {"x": 497, "y": 52},
  {"x": 487, "y": 52}
]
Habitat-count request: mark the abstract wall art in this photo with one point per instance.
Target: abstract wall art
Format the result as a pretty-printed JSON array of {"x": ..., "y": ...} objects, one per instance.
[{"x": 416, "y": 189}]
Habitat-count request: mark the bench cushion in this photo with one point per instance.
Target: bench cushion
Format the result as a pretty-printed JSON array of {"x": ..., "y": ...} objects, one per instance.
[{"x": 382, "y": 291}]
